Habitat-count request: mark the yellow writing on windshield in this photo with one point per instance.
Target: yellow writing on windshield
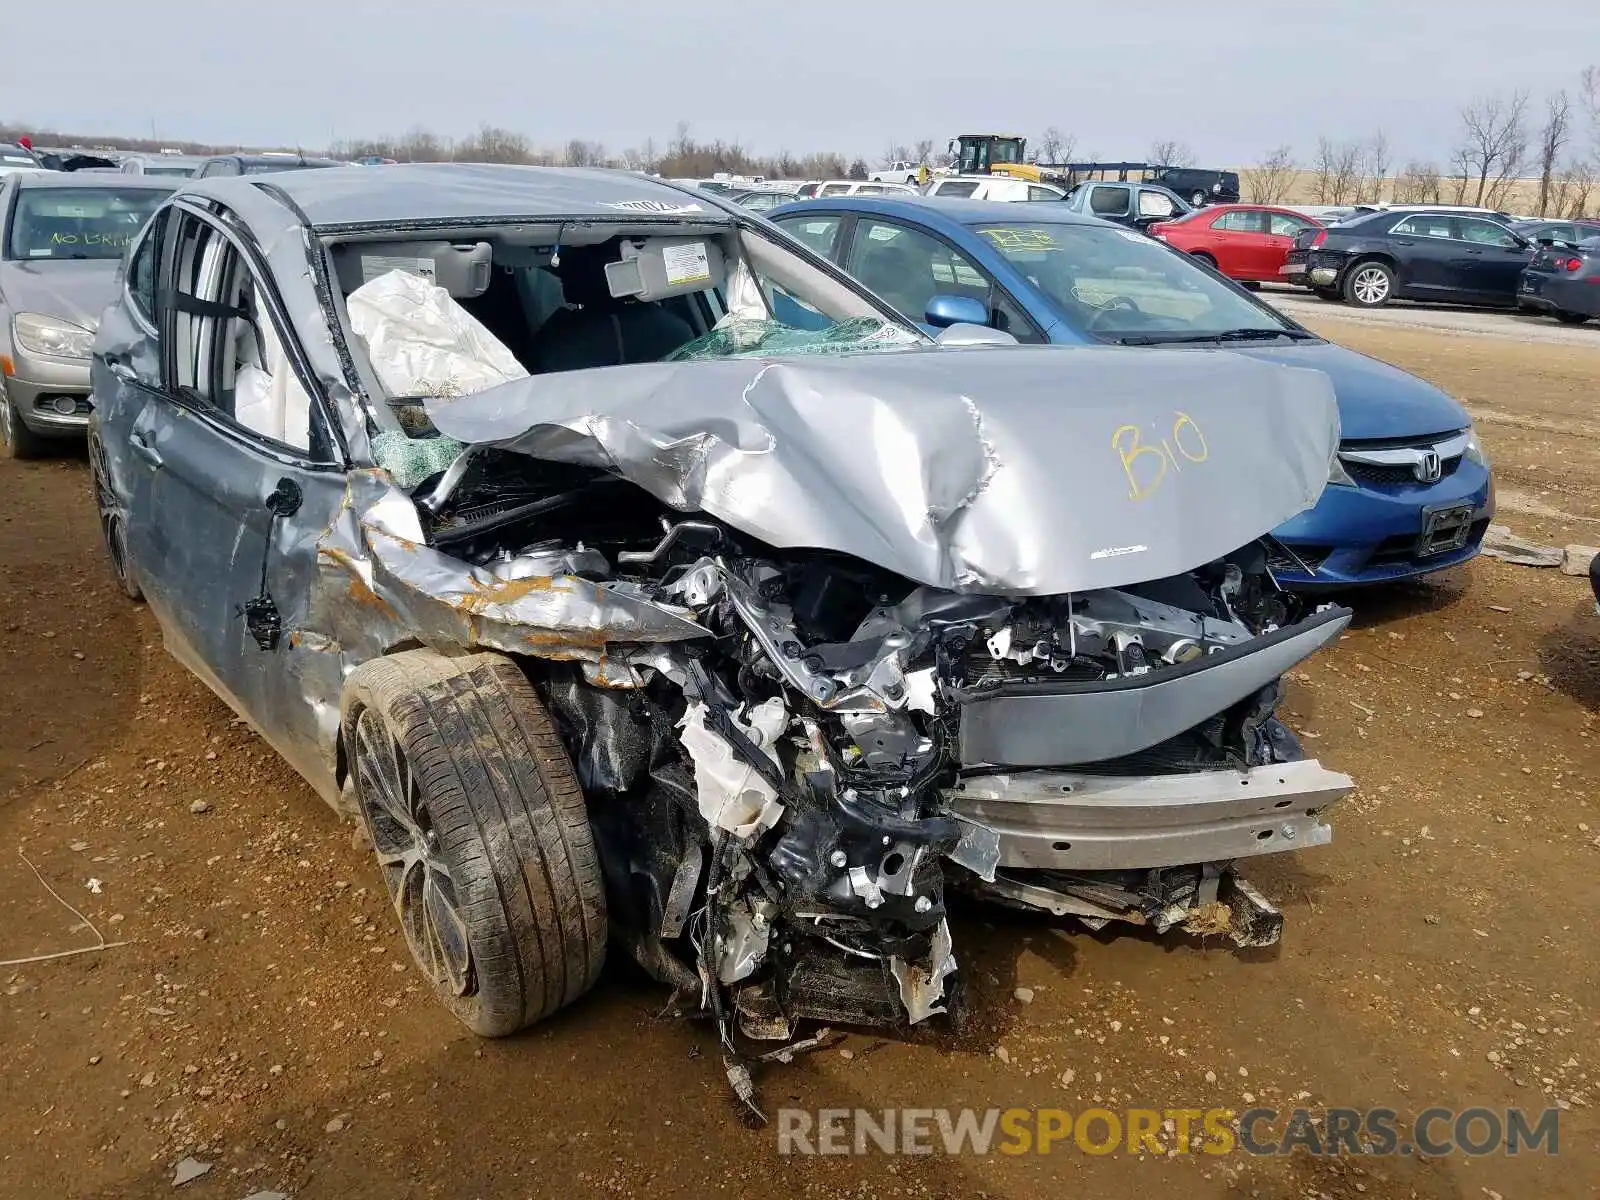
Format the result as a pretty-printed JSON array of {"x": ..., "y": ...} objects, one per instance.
[
  {"x": 90, "y": 239},
  {"x": 1146, "y": 463},
  {"x": 1021, "y": 239}
]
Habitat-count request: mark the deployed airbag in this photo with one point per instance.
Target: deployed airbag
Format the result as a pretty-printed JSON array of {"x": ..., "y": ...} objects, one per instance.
[{"x": 422, "y": 343}]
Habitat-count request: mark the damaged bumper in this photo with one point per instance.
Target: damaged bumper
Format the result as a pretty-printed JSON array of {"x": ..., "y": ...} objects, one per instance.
[{"x": 1054, "y": 821}]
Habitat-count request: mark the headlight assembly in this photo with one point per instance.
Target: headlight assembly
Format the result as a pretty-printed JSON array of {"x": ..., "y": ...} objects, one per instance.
[{"x": 39, "y": 334}]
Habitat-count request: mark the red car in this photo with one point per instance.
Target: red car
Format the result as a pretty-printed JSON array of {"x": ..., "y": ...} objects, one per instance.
[{"x": 1243, "y": 241}]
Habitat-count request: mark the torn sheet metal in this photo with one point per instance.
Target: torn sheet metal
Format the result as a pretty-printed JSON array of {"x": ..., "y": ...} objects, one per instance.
[
  {"x": 381, "y": 585},
  {"x": 970, "y": 471},
  {"x": 922, "y": 984}
]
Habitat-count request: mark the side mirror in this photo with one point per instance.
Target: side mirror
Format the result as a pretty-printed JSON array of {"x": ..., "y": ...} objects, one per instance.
[
  {"x": 974, "y": 335},
  {"x": 945, "y": 310}
]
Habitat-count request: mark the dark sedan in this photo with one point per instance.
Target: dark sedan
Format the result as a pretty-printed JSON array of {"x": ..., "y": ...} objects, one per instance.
[
  {"x": 1564, "y": 281},
  {"x": 1412, "y": 255}
]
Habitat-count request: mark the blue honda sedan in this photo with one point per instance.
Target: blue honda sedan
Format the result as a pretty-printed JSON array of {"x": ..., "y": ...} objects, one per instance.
[{"x": 1410, "y": 491}]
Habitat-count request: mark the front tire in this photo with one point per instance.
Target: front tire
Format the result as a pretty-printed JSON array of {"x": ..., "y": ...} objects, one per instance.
[
  {"x": 16, "y": 439},
  {"x": 112, "y": 526},
  {"x": 1369, "y": 285},
  {"x": 1198, "y": 200},
  {"x": 480, "y": 832}
]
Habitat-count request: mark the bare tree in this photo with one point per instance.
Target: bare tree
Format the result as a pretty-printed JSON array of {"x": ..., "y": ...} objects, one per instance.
[
  {"x": 1169, "y": 153},
  {"x": 1552, "y": 140},
  {"x": 1270, "y": 181},
  {"x": 1373, "y": 167},
  {"x": 1418, "y": 182},
  {"x": 1337, "y": 172},
  {"x": 1055, "y": 146},
  {"x": 1576, "y": 184},
  {"x": 923, "y": 151},
  {"x": 1494, "y": 143},
  {"x": 895, "y": 152}
]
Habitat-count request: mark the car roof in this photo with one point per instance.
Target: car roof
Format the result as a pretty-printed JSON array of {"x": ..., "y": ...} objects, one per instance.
[
  {"x": 98, "y": 179},
  {"x": 411, "y": 192},
  {"x": 255, "y": 159},
  {"x": 935, "y": 210}
]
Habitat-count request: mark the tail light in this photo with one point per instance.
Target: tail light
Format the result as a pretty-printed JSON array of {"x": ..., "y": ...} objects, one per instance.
[
  {"x": 1318, "y": 238},
  {"x": 1573, "y": 264}
]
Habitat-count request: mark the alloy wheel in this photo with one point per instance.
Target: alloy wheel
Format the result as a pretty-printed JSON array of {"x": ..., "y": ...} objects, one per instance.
[
  {"x": 1371, "y": 285},
  {"x": 110, "y": 520},
  {"x": 409, "y": 855}
]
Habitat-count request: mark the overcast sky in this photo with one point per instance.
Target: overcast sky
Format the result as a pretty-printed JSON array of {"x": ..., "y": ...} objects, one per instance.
[{"x": 1231, "y": 80}]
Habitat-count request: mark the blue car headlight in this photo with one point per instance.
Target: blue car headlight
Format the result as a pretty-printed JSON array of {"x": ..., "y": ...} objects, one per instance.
[
  {"x": 1475, "y": 450},
  {"x": 1337, "y": 475}
]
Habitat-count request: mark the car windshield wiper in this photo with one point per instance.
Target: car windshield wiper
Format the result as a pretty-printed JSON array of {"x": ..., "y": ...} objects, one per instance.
[{"x": 1226, "y": 335}]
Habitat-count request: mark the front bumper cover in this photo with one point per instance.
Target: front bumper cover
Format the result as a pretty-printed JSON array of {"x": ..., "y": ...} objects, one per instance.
[{"x": 1064, "y": 724}]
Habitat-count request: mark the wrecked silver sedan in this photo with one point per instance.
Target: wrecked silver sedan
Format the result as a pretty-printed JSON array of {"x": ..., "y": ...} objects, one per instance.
[{"x": 636, "y": 577}]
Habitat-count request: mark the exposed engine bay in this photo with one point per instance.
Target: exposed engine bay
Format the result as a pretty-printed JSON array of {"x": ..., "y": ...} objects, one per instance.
[{"x": 785, "y": 804}]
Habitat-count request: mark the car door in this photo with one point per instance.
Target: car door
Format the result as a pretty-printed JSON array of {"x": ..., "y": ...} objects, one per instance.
[
  {"x": 1430, "y": 254},
  {"x": 1496, "y": 258},
  {"x": 227, "y": 518},
  {"x": 1239, "y": 243}
]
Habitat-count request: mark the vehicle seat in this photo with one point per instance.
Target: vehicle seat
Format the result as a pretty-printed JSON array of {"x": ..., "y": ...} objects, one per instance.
[
  {"x": 899, "y": 273},
  {"x": 598, "y": 330}
]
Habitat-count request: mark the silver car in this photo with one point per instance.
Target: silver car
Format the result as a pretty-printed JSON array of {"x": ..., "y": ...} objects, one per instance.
[
  {"x": 61, "y": 238},
  {"x": 634, "y": 576}
]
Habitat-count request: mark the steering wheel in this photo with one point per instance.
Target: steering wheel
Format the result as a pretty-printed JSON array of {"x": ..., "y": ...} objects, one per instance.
[{"x": 1120, "y": 305}]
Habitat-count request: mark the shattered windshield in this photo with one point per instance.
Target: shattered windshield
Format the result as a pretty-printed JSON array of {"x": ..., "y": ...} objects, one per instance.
[
  {"x": 743, "y": 338},
  {"x": 1120, "y": 286}
]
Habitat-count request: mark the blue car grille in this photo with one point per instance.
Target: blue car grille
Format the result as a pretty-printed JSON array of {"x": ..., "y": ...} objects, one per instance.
[{"x": 1394, "y": 475}]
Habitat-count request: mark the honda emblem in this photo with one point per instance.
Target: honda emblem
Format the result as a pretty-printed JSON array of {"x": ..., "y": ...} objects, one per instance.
[{"x": 1429, "y": 467}]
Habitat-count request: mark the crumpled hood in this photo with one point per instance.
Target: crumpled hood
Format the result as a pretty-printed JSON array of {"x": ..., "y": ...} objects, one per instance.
[
  {"x": 1013, "y": 471},
  {"x": 76, "y": 290},
  {"x": 1376, "y": 400}
]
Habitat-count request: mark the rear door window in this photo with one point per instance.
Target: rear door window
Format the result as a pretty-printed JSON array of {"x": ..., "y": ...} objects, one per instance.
[
  {"x": 1242, "y": 221},
  {"x": 819, "y": 233},
  {"x": 957, "y": 188},
  {"x": 1109, "y": 200}
]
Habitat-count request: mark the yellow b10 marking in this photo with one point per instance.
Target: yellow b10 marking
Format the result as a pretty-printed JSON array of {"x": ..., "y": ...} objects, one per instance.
[{"x": 1146, "y": 465}]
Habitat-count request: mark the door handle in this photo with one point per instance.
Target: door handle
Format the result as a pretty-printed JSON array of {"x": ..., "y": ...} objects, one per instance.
[
  {"x": 121, "y": 370},
  {"x": 144, "y": 449},
  {"x": 1475, "y": 253}
]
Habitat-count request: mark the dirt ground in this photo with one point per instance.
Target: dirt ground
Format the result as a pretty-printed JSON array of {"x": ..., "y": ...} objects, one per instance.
[{"x": 260, "y": 1012}]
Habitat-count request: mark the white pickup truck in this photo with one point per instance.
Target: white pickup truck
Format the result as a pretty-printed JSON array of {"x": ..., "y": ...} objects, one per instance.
[{"x": 896, "y": 172}]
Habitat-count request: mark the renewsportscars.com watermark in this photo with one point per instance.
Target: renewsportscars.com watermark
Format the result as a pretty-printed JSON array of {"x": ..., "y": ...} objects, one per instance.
[{"x": 1434, "y": 1132}]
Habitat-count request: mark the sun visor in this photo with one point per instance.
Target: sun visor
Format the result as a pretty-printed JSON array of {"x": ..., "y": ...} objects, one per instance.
[
  {"x": 461, "y": 269},
  {"x": 659, "y": 268}
]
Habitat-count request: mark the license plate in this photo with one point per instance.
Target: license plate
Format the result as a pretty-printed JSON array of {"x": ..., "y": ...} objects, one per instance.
[
  {"x": 1444, "y": 529},
  {"x": 1294, "y": 268},
  {"x": 1530, "y": 285}
]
